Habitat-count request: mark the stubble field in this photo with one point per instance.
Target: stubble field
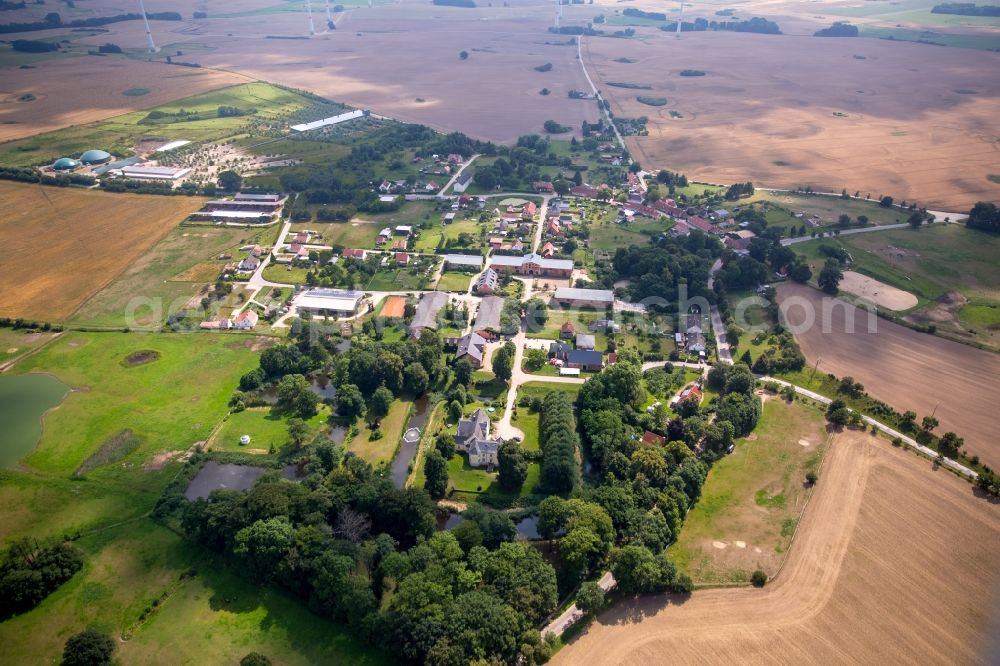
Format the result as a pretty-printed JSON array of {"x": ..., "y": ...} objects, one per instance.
[
  {"x": 907, "y": 369},
  {"x": 894, "y": 563},
  {"x": 914, "y": 121},
  {"x": 62, "y": 245},
  {"x": 79, "y": 90}
]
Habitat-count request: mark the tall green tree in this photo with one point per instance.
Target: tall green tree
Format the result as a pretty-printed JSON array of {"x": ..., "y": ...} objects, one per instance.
[
  {"x": 435, "y": 474},
  {"x": 513, "y": 467},
  {"x": 830, "y": 277},
  {"x": 379, "y": 404},
  {"x": 503, "y": 361},
  {"x": 88, "y": 648}
]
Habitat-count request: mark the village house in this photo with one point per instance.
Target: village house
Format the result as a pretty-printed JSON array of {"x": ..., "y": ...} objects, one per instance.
[
  {"x": 360, "y": 255},
  {"x": 652, "y": 439},
  {"x": 529, "y": 210},
  {"x": 486, "y": 283},
  {"x": 249, "y": 264},
  {"x": 584, "y": 359},
  {"x": 585, "y": 341},
  {"x": 463, "y": 261},
  {"x": 383, "y": 236},
  {"x": 471, "y": 347},
  {"x": 462, "y": 183},
  {"x": 402, "y": 259},
  {"x": 567, "y": 331},
  {"x": 473, "y": 438},
  {"x": 246, "y": 320},
  {"x": 543, "y": 186},
  {"x": 548, "y": 250}
]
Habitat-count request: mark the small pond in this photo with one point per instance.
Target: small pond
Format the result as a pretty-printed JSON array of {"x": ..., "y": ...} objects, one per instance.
[{"x": 24, "y": 399}]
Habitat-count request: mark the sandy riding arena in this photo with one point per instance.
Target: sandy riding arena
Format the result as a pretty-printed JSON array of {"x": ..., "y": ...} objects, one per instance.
[
  {"x": 879, "y": 293},
  {"x": 893, "y": 563}
]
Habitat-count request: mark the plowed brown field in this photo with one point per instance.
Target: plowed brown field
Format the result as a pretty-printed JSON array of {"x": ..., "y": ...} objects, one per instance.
[
  {"x": 62, "y": 245},
  {"x": 76, "y": 91},
  {"x": 914, "y": 121},
  {"x": 906, "y": 369},
  {"x": 893, "y": 563}
]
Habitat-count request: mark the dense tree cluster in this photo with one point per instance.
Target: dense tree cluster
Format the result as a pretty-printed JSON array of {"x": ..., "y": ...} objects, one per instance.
[
  {"x": 737, "y": 403},
  {"x": 738, "y": 191},
  {"x": 658, "y": 271},
  {"x": 362, "y": 552},
  {"x": 966, "y": 9},
  {"x": 838, "y": 29},
  {"x": 31, "y": 570},
  {"x": 88, "y": 648},
  {"x": 985, "y": 217}
]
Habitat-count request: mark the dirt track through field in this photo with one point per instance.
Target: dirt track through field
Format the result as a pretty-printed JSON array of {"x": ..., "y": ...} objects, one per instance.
[
  {"x": 893, "y": 563},
  {"x": 906, "y": 369}
]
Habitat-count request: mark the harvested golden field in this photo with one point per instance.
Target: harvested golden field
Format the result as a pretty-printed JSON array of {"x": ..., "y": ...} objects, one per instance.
[
  {"x": 64, "y": 245},
  {"x": 904, "y": 368},
  {"x": 894, "y": 563},
  {"x": 913, "y": 121},
  {"x": 75, "y": 91}
]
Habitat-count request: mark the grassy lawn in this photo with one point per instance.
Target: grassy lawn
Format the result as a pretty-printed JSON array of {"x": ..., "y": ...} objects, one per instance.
[
  {"x": 377, "y": 451},
  {"x": 15, "y": 342},
  {"x": 118, "y": 135},
  {"x": 610, "y": 237},
  {"x": 753, "y": 497},
  {"x": 402, "y": 279},
  {"x": 212, "y": 617},
  {"x": 168, "y": 276},
  {"x": 579, "y": 318},
  {"x": 168, "y": 403},
  {"x": 454, "y": 281},
  {"x": 780, "y": 209},
  {"x": 285, "y": 273},
  {"x": 527, "y": 422},
  {"x": 475, "y": 481},
  {"x": 353, "y": 234},
  {"x": 266, "y": 428}
]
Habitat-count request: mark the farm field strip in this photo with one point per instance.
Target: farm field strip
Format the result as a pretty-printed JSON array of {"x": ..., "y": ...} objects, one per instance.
[
  {"x": 856, "y": 570},
  {"x": 906, "y": 369},
  {"x": 80, "y": 240}
]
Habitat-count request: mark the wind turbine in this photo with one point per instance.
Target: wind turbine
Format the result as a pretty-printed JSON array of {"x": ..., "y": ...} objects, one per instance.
[
  {"x": 149, "y": 34},
  {"x": 312, "y": 26},
  {"x": 329, "y": 18},
  {"x": 558, "y": 12},
  {"x": 680, "y": 20}
]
